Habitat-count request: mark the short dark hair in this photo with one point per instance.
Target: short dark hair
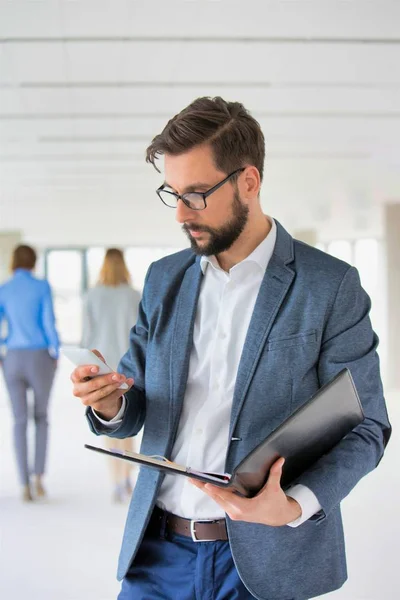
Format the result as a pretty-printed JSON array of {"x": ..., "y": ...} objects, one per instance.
[
  {"x": 234, "y": 135},
  {"x": 24, "y": 257}
]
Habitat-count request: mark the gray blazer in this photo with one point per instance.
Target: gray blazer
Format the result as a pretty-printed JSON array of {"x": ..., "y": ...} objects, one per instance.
[{"x": 310, "y": 320}]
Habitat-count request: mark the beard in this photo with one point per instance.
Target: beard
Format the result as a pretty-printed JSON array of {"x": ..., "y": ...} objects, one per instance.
[{"x": 221, "y": 239}]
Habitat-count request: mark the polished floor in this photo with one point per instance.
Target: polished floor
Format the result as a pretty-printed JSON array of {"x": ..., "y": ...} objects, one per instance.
[{"x": 66, "y": 548}]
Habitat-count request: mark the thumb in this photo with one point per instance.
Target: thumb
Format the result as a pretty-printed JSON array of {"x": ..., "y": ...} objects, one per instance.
[
  {"x": 99, "y": 354},
  {"x": 275, "y": 474}
]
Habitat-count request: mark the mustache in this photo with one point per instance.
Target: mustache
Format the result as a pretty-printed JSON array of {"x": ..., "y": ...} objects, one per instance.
[{"x": 193, "y": 227}]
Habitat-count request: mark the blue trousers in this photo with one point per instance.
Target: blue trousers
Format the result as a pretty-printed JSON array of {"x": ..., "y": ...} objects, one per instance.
[{"x": 173, "y": 567}]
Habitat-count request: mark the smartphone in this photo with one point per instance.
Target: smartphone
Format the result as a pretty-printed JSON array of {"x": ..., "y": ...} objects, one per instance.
[{"x": 83, "y": 356}]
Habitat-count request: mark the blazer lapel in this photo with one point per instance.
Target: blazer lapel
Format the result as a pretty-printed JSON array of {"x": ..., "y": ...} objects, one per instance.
[
  {"x": 274, "y": 287},
  {"x": 182, "y": 338}
]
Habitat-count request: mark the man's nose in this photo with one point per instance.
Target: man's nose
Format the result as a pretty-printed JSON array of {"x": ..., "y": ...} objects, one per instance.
[{"x": 183, "y": 212}]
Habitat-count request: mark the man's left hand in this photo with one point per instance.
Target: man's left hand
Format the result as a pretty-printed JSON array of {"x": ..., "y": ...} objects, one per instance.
[{"x": 271, "y": 506}]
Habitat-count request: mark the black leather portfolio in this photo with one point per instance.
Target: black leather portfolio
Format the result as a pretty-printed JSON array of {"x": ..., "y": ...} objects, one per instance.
[{"x": 309, "y": 433}]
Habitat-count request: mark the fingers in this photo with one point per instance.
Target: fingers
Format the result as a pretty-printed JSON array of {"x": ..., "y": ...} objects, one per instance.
[
  {"x": 83, "y": 373},
  {"x": 87, "y": 384},
  {"x": 106, "y": 393},
  {"x": 80, "y": 373},
  {"x": 89, "y": 372},
  {"x": 97, "y": 388},
  {"x": 103, "y": 398}
]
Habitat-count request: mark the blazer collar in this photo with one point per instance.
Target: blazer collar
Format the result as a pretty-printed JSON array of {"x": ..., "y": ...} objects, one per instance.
[{"x": 284, "y": 250}]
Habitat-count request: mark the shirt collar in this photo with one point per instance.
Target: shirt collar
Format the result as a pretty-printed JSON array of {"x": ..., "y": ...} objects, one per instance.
[{"x": 261, "y": 255}]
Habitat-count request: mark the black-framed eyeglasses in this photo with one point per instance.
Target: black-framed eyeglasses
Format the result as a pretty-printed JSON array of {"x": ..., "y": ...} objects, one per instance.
[{"x": 194, "y": 200}]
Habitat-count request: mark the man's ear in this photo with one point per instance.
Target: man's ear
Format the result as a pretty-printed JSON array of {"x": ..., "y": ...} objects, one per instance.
[{"x": 251, "y": 183}]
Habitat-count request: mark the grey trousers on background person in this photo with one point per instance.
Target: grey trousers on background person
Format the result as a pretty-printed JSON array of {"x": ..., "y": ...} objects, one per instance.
[{"x": 23, "y": 370}]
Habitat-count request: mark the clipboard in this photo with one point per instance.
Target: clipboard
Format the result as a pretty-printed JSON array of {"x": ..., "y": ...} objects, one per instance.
[{"x": 309, "y": 433}]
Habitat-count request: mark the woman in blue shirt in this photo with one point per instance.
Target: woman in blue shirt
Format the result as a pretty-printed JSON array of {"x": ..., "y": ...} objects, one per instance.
[{"x": 32, "y": 347}]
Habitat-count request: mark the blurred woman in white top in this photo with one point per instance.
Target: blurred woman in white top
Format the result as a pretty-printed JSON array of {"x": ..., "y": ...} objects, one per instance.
[{"x": 110, "y": 310}]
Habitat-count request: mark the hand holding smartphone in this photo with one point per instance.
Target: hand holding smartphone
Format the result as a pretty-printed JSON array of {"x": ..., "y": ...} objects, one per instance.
[{"x": 83, "y": 356}]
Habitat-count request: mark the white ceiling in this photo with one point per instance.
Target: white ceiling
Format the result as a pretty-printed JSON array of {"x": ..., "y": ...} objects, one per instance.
[{"x": 85, "y": 85}]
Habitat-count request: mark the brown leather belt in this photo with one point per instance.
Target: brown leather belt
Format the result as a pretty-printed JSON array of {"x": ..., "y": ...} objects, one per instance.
[{"x": 199, "y": 531}]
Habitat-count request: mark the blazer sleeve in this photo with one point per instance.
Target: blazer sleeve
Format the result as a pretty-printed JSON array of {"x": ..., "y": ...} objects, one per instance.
[
  {"x": 132, "y": 364},
  {"x": 349, "y": 341}
]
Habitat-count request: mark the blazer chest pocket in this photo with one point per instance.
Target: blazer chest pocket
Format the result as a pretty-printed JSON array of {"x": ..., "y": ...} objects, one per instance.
[{"x": 293, "y": 340}]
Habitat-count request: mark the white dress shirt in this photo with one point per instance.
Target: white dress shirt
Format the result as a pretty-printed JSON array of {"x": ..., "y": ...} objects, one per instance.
[{"x": 225, "y": 307}]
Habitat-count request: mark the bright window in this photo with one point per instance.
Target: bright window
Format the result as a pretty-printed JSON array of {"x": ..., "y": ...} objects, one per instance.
[
  {"x": 94, "y": 260},
  {"x": 139, "y": 259},
  {"x": 65, "y": 275},
  {"x": 341, "y": 249}
]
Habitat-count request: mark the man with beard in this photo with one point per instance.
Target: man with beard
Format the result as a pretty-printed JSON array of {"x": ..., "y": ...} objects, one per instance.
[{"x": 233, "y": 336}]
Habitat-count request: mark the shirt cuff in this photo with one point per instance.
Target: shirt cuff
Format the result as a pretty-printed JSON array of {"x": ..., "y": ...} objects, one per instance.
[
  {"x": 308, "y": 503},
  {"x": 115, "y": 421}
]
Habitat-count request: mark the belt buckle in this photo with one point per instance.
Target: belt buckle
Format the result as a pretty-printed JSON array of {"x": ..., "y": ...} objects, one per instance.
[{"x": 193, "y": 530}]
